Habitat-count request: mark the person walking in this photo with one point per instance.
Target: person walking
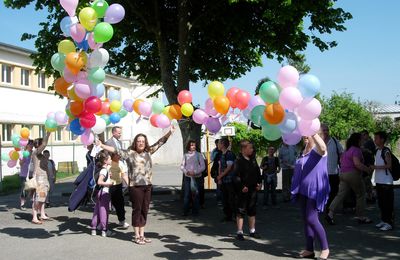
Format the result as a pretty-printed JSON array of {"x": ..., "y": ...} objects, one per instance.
[
  {"x": 51, "y": 175},
  {"x": 287, "y": 159},
  {"x": 270, "y": 166}
]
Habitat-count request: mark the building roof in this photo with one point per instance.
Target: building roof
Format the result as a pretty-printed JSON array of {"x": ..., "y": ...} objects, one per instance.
[{"x": 388, "y": 109}]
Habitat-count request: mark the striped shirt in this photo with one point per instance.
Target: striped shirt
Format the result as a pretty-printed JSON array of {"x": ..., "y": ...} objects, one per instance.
[{"x": 333, "y": 147}]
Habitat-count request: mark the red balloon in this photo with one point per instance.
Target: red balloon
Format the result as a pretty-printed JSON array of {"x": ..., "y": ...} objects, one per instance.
[
  {"x": 105, "y": 108},
  {"x": 184, "y": 97},
  {"x": 93, "y": 104},
  {"x": 87, "y": 120},
  {"x": 231, "y": 96},
  {"x": 242, "y": 98},
  {"x": 153, "y": 120}
]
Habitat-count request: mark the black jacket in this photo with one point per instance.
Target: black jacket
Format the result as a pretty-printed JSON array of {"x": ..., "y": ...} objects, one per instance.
[{"x": 248, "y": 172}]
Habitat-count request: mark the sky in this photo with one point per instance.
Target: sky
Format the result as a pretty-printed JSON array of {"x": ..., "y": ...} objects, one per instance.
[{"x": 365, "y": 62}]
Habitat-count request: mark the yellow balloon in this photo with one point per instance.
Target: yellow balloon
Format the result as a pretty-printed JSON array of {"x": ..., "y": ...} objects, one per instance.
[
  {"x": 215, "y": 89},
  {"x": 166, "y": 112},
  {"x": 187, "y": 109},
  {"x": 72, "y": 95},
  {"x": 88, "y": 18},
  {"x": 66, "y": 46},
  {"x": 115, "y": 106}
]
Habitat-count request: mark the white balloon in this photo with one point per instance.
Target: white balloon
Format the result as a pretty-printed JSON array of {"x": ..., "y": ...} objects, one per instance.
[
  {"x": 100, "y": 125},
  {"x": 98, "y": 58}
]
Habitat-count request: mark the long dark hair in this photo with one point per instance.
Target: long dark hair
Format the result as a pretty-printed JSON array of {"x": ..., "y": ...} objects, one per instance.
[
  {"x": 37, "y": 142},
  {"x": 146, "y": 142},
  {"x": 189, "y": 143},
  {"x": 354, "y": 140},
  {"x": 101, "y": 159}
]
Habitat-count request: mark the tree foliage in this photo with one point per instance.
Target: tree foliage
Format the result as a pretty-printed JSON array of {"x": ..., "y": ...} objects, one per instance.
[{"x": 391, "y": 127}]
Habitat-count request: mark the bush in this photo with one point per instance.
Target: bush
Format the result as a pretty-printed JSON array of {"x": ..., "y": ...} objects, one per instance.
[{"x": 10, "y": 184}]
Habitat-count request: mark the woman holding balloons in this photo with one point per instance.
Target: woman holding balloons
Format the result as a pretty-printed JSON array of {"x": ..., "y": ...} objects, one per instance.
[{"x": 139, "y": 178}]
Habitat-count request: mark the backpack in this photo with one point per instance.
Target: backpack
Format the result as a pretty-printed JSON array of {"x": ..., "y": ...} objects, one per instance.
[
  {"x": 215, "y": 166},
  {"x": 93, "y": 183},
  {"x": 395, "y": 170}
]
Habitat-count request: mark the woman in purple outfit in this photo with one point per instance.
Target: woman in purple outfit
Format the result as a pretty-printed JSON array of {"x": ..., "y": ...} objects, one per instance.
[{"x": 310, "y": 188}]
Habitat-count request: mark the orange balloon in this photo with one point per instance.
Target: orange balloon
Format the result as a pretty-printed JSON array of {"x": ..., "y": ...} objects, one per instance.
[
  {"x": 136, "y": 105},
  {"x": 75, "y": 61},
  {"x": 76, "y": 108},
  {"x": 24, "y": 133},
  {"x": 17, "y": 149},
  {"x": 274, "y": 113},
  {"x": 72, "y": 95},
  {"x": 61, "y": 86},
  {"x": 221, "y": 104},
  {"x": 175, "y": 111},
  {"x": 105, "y": 108}
]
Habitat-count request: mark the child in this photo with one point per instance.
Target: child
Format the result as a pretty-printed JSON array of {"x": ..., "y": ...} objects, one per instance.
[
  {"x": 101, "y": 208},
  {"x": 248, "y": 181},
  {"x": 270, "y": 166},
  {"x": 51, "y": 175}
]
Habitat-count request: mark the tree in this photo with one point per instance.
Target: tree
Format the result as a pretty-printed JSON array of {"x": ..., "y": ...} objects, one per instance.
[
  {"x": 174, "y": 42},
  {"x": 391, "y": 127}
]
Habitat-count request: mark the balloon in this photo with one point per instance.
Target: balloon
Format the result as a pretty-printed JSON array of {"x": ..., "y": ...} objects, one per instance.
[
  {"x": 309, "y": 127},
  {"x": 136, "y": 105},
  {"x": 5, "y": 156},
  {"x": 61, "y": 86},
  {"x": 114, "y": 95},
  {"x": 290, "y": 98},
  {"x": 87, "y": 120},
  {"x": 162, "y": 121},
  {"x": 23, "y": 142},
  {"x": 100, "y": 125},
  {"x": 215, "y": 89},
  {"x": 82, "y": 75},
  {"x": 83, "y": 45},
  {"x": 97, "y": 90},
  {"x": 61, "y": 118},
  {"x": 288, "y": 76},
  {"x": 187, "y": 109},
  {"x": 122, "y": 113},
  {"x": 15, "y": 140},
  {"x": 157, "y": 107},
  {"x": 105, "y": 108},
  {"x": 309, "y": 109},
  {"x": 221, "y": 104},
  {"x": 274, "y": 113},
  {"x": 75, "y": 127},
  {"x": 209, "y": 107},
  {"x": 114, "y": 14},
  {"x": 184, "y": 96},
  {"x": 128, "y": 105},
  {"x": 51, "y": 115},
  {"x": 115, "y": 118},
  {"x": 82, "y": 89},
  {"x": 153, "y": 120},
  {"x": 69, "y": 76},
  {"x": 76, "y": 108},
  {"x": 231, "y": 96},
  {"x": 145, "y": 108},
  {"x": 87, "y": 137},
  {"x": 175, "y": 111},
  {"x": 98, "y": 58},
  {"x": 58, "y": 61},
  {"x": 255, "y": 101},
  {"x": 271, "y": 132},
  {"x": 213, "y": 125},
  {"x": 25, "y": 154},
  {"x": 24, "y": 133},
  {"x": 75, "y": 61},
  {"x": 92, "y": 44},
  {"x": 166, "y": 112},
  {"x": 69, "y": 6},
  {"x": 199, "y": 116},
  {"x": 96, "y": 75},
  {"x": 100, "y": 6},
  {"x": 115, "y": 106},
  {"x": 291, "y": 138},
  {"x": 289, "y": 123},
  {"x": 88, "y": 18},
  {"x": 269, "y": 92},
  {"x": 50, "y": 125},
  {"x": 242, "y": 99},
  {"x": 309, "y": 85},
  {"x": 12, "y": 163},
  {"x": 72, "y": 95},
  {"x": 93, "y": 104},
  {"x": 103, "y": 32},
  {"x": 66, "y": 46},
  {"x": 106, "y": 118},
  {"x": 78, "y": 32},
  {"x": 257, "y": 116},
  {"x": 65, "y": 25},
  {"x": 247, "y": 113}
]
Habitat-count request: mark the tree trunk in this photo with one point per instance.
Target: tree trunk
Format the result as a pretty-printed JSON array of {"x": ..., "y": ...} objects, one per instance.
[{"x": 190, "y": 131}]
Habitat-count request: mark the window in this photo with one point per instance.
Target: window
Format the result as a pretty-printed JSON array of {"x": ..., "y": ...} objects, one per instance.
[
  {"x": 41, "y": 81},
  {"x": 58, "y": 135},
  {"x": 42, "y": 131},
  {"x": 25, "y": 77},
  {"x": 6, "y": 72},
  {"x": 6, "y": 132}
]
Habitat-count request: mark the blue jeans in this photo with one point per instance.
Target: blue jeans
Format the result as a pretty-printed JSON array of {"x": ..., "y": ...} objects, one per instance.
[
  {"x": 191, "y": 196},
  {"x": 270, "y": 183}
]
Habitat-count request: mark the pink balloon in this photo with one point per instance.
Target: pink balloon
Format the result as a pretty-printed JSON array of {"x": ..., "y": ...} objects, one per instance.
[
  {"x": 213, "y": 125},
  {"x": 199, "y": 116},
  {"x": 309, "y": 127},
  {"x": 292, "y": 138},
  {"x": 11, "y": 163},
  {"x": 309, "y": 109},
  {"x": 145, "y": 108},
  {"x": 82, "y": 75},
  {"x": 288, "y": 76},
  {"x": 92, "y": 44},
  {"x": 23, "y": 142},
  {"x": 242, "y": 99},
  {"x": 82, "y": 89},
  {"x": 68, "y": 76},
  {"x": 184, "y": 96},
  {"x": 61, "y": 118},
  {"x": 78, "y": 32},
  {"x": 162, "y": 121},
  {"x": 51, "y": 115},
  {"x": 209, "y": 107},
  {"x": 69, "y": 6},
  {"x": 87, "y": 137},
  {"x": 290, "y": 98},
  {"x": 255, "y": 101}
]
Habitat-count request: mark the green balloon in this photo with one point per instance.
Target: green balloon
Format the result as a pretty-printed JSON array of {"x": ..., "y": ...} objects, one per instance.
[
  {"x": 257, "y": 115},
  {"x": 103, "y": 32},
  {"x": 100, "y": 6},
  {"x": 122, "y": 113},
  {"x": 269, "y": 92},
  {"x": 58, "y": 61},
  {"x": 271, "y": 132},
  {"x": 50, "y": 123},
  {"x": 96, "y": 75},
  {"x": 106, "y": 118},
  {"x": 157, "y": 107},
  {"x": 25, "y": 154},
  {"x": 5, "y": 157},
  {"x": 15, "y": 140}
]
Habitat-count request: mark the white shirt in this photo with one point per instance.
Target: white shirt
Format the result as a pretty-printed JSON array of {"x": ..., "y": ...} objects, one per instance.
[
  {"x": 382, "y": 176},
  {"x": 103, "y": 172},
  {"x": 333, "y": 166}
]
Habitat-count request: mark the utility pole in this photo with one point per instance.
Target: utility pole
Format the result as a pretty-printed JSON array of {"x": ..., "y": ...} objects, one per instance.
[{"x": 1, "y": 167}]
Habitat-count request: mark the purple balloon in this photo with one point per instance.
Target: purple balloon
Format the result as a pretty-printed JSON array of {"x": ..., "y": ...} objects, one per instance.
[
  {"x": 213, "y": 125},
  {"x": 82, "y": 89},
  {"x": 87, "y": 137},
  {"x": 199, "y": 116},
  {"x": 61, "y": 118},
  {"x": 68, "y": 76},
  {"x": 209, "y": 107},
  {"x": 114, "y": 14},
  {"x": 162, "y": 121},
  {"x": 128, "y": 105},
  {"x": 292, "y": 138},
  {"x": 11, "y": 163},
  {"x": 255, "y": 101}
]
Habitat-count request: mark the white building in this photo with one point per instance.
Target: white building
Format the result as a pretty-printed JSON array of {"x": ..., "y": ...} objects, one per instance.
[
  {"x": 392, "y": 111},
  {"x": 26, "y": 101}
]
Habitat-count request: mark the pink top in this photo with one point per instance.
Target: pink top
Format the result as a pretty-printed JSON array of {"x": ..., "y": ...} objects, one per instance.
[
  {"x": 346, "y": 162},
  {"x": 193, "y": 162}
]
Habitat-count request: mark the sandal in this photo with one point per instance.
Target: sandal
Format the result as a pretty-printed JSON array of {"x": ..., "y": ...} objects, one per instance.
[
  {"x": 46, "y": 218},
  {"x": 37, "y": 222},
  {"x": 308, "y": 255},
  {"x": 139, "y": 241},
  {"x": 146, "y": 240}
]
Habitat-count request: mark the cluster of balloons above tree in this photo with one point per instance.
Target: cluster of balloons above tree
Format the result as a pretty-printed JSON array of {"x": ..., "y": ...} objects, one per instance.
[{"x": 19, "y": 141}]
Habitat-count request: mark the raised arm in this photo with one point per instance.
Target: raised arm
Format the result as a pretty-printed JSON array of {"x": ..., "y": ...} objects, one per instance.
[
  {"x": 44, "y": 143},
  {"x": 161, "y": 141},
  {"x": 319, "y": 144},
  {"x": 122, "y": 153}
]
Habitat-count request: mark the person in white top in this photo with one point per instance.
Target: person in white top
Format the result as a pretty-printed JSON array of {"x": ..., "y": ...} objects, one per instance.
[{"x": 384, "y": 182}]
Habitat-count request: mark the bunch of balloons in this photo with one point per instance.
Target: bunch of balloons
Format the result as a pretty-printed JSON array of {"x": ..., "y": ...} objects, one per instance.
[
  {"x": 80, "y": 60},
  {"x": 19, "y": 141}
]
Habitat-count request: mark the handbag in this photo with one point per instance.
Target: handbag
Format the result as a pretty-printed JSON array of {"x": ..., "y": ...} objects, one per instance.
[{"x": 30, "y": 184}]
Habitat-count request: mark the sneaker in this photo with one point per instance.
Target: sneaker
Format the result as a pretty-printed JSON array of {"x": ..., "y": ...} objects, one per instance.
[
  {"x": 94, "y": 232},
  {"x": 380, "y": 224},
  {"x": 240, "y": 237},
  {"x": 386, "y": 227},
  {"x": 22, "y": 208},
  {"x": 107, "y": 233},
  {"x": 255, "y": 235},
  {"x": 123, "y": 224}
]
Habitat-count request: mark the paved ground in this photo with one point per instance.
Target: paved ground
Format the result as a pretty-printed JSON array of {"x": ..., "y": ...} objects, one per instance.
[{"x": 174, "y": 237}]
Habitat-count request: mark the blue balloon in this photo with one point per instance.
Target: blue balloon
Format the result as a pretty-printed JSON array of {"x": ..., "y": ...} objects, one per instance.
[
  {"x": 65, "y": 25},
  {"x": 97, "y": 90},
  {"x": 75, "y": 127},
  {"x": 114, "y": 95},
  {"x": 309, "y": 86},
  {"x": 289, "y": 123},
  {"x": 84, "y": 45},
  {"x": 115, "y": 118}
]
